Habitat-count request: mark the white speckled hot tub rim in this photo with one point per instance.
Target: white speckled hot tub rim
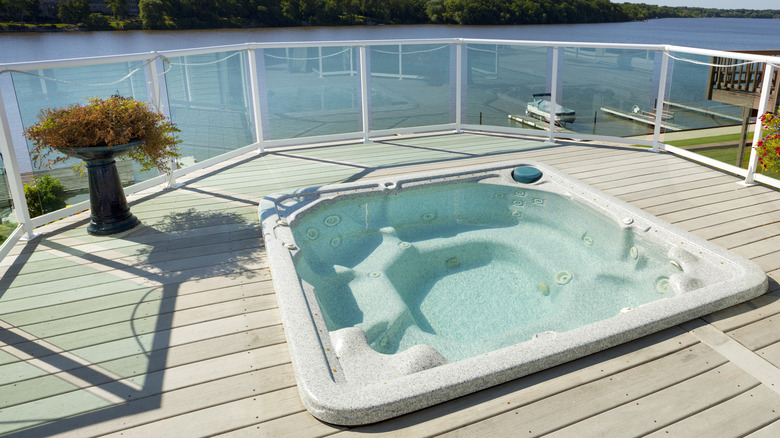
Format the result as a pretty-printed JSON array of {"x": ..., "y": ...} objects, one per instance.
[{"x": 329, "y": 396}]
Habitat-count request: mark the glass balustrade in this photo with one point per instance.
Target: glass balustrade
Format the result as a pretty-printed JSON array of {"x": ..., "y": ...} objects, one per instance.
[
  {"x": 501, "y": 80},
  {"x": 309, "y": 91},
  {"x": 713, "y": 114},
  {"x": 210, "y": 102},
  {"x": 410, "y": 85},
  {"x": 608, "y": 91},
  {"x": 7, "y": 218}
]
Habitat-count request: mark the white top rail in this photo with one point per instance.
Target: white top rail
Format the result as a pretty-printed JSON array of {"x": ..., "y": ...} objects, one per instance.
[{"x": 75, "y": 62}]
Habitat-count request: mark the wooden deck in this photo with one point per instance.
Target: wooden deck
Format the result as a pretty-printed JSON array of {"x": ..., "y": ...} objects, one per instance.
[{"x": 172, "y": 329}]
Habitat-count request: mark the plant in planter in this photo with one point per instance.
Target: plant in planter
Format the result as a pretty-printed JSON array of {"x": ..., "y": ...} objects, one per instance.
[
  {"x": 768, "y": 147},
  {"x": 44, "y": 194},
  {"x": 97, "y": 132}
]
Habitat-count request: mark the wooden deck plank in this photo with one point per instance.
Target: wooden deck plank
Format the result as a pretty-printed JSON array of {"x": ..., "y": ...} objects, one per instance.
[
  {"x": 739, "y": 416},
  {"x": 752, "y": 195},
  {"x": 645, "y": 172},
  {"x": 137, "y": 368},
  {"x": 718, "y": 203},
  {"x": 760, "y": 248},
  {"x": 770, "y": 431},
  {"x": 746, "y": 235},
  {"x": 647, "y": 414},
  {"x": 635, "y": 190},
  {"x": 215, "y": 419},
  {"x": 302, "y": 424},
  {"x": 266, "y": 382},
  {"x": 243, "y": 364},
  {"x": 35, "y": 314},
  {"x": 150, "y": 273},
  {"x": 151, "y": 258},
  {"x": 54, "y": 408},
  {"x": 771, "y": 353},
  {"x": 677, "y": 186},
  {"x": 686, "y": 193},
  {"x": 759, "y": 334},
  {"x": 145, "y": 308},
  {"x": 728, "y": 215},
  {"x": 117, "y": 356},
  {"x": 629, "y": 387},
  {"x": 47, "y": 305}
]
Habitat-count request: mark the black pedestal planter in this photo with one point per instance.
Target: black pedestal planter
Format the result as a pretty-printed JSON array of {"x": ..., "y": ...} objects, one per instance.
[{"x": 109, "y": 212}]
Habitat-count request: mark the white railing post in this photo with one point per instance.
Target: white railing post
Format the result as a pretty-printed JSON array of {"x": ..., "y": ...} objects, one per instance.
[
  {"x": 553, "y": 93},
  {"x": 155, "y": 99},
  {"x": 766, "y": 87},
  {"x": 364, "y": 92},
  {"x": 14, "y": 178},
  {"x": 459, "y": 88},
  {"x": 660, "y": 99},
  {"x": 255, "y": 88}
]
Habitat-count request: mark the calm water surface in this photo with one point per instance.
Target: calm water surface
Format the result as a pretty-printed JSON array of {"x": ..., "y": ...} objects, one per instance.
[{"x": 711, "y": 33}]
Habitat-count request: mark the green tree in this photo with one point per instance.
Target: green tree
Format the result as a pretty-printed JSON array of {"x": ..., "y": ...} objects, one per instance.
[
  {"x": 73, "y": 11},
  {"x": 435, "y": 10},
  {"x": 96, "y": 21},
  {"x": 118, "y": 8},
  {"x": 152, "y": 14},
  {"x": 19, "y": 9}
]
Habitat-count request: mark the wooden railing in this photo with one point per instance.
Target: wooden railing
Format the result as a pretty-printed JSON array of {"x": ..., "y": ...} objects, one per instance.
[{"x": 735, "y": 82}]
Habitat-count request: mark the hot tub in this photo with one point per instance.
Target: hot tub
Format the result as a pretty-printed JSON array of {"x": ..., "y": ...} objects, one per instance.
[{"x": 403, "y": 293}]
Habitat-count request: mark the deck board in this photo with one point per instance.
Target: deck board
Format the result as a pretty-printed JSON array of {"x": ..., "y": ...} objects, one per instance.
[
  {"x": 180, "y": 314},
  {"x": 741, "y": 415},
  {"x": 587, "y": 403}
]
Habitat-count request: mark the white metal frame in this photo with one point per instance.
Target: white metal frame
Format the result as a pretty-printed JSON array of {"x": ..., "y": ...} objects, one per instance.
[{"x": 258, "y": 92}]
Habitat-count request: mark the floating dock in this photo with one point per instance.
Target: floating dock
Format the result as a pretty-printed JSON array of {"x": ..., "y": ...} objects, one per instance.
[
  {"x": 704, "y": 111},
  {"x": 534, "y": 122},
  {"x": 647, "y": 120}
]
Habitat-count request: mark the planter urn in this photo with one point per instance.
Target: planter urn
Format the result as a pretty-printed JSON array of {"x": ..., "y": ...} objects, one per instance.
[{"x": 109, "y": 211}]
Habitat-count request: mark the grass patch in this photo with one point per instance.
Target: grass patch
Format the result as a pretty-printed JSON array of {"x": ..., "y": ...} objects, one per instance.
[
  {"x": 725, "y": 155},
  {"x": 6, "y": 229},
  {"x": 707, "y": 140}
]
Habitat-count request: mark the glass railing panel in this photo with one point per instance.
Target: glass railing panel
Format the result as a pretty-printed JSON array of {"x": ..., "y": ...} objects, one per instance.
[
  {"x": 501, "y": 80},
  {"x": 607, "y": 91},
  {"x": 410, "y": 85},
  {"x": 709, "y": 107},
  {"x": 311, "y": 91},
  {"x": 60, "y": 87},
  {"x": 7, "y": 217},
  {"x": 210, "y": 102}
]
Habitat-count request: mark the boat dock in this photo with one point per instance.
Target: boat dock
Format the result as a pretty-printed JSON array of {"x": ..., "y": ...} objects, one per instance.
[
  {"x": 647, "y": 120},
  {"x": 705, "y": 111}
]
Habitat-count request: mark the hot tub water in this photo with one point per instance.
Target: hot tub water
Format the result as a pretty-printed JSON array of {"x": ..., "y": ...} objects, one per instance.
[{"x": 470, "y": 267}]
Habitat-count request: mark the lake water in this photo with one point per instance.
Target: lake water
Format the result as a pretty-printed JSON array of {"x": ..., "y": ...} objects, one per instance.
[{"x": 711, "y": 33}]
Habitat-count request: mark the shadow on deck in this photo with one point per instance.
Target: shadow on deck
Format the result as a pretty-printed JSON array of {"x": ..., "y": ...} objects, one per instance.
[{"x": 172, "y": 328}]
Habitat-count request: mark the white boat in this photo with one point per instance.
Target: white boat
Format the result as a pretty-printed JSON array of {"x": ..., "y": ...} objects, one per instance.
[{"x": 540, "y": 106}]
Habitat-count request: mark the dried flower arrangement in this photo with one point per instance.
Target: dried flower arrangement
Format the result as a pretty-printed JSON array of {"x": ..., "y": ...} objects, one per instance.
[{"x": 107, "y": 122}]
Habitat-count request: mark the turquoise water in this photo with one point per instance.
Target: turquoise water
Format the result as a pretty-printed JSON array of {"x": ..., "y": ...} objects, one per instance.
[{"x": 468, "y": 268}]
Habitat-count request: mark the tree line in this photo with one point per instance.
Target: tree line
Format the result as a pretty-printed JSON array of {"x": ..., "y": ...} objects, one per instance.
[{"x": 198, "y": 14}]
